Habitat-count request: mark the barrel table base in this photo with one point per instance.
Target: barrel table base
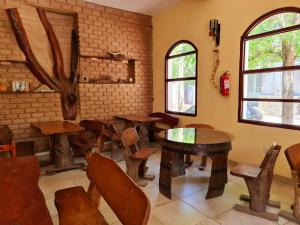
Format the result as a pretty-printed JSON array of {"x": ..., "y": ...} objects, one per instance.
[
  {"x": 172, "y": 165},
  {"x": 62, "y": 154}
]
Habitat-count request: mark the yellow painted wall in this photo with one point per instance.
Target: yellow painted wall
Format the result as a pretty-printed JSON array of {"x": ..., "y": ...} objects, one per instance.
[{"x": 190, "y": 20}]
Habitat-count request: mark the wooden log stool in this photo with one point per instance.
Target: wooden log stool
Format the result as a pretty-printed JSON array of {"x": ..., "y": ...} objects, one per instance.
[
  {"x": 293, "y": 156},
  {"x": 258, "y": 180},
  {"x": 136, "y": 157},
  {"x": 75, "y": 206},
  {"x": 188, "y": 162}
]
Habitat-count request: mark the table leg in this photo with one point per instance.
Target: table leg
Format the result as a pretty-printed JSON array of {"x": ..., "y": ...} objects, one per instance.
[
  {"x": 63, "y": 154},
  {"x": 165, "y": 173},
  {"x": 178, "y": 165},
  {"x": 218, "y": 177},
  {"x": 143, "y": 134}
]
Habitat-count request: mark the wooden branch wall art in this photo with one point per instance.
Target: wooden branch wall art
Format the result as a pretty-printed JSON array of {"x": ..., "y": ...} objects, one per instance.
[{"x": 67, "y": 87}]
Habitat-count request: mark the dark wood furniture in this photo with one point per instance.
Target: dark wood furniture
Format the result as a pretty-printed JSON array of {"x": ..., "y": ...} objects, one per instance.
[
  {"x": 180, "y": 141},
  {"x": 141, "y": 123},
  {"x": 188, "y": 162},
  {"x": 136, "y": 157},
  {"x": 127, "y": 201},
  {"x": 89, "y": 138},
  {"x": 293, "y": 156},
  {"x": 6, "y": 144},
  {"x": 21, "y": 200},
  {"x": 258, "y": 180},
  {"x": 167, "y": 121},
  {"x": 61, "y": 152}
]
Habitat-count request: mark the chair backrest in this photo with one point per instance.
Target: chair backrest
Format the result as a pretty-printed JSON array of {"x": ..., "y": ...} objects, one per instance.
[
  {"x": 167, "y": 119},
  {"x": 292, "y": 154},
  {"x": 92, "y": 126},
  {"x": 270, "y": 156},
  {"x": 6, "y": 135},
  {"x": 200, "y": 126},
  {"x": 130, "y": 140},
  {"x": 123, "y": 196},
  {"x": 6, "y": 144}
]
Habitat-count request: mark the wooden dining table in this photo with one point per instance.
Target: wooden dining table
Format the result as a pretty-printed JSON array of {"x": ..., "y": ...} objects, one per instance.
[
  {"x": 61, "y": 153},
  {"x": 141, "y": 122},
  {"x": 194, "y": 141}
]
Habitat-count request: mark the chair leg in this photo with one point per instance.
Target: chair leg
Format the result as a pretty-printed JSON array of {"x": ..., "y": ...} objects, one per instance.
[
  {"x": 132, "y": 170},
  {"x": 188, "y": 161},
  {"x": 203, "y": 163},
  {"x": 142, "y": 171}
]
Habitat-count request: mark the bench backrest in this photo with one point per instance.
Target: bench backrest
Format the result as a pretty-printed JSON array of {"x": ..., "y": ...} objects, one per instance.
[
  {"x": 124, "y": 197},
  {"x": 167, "y": 119},
  {"x": 130, "y": 140},
  {"x": 293, "y": 156},
  {"x": 270, "y": 157}
]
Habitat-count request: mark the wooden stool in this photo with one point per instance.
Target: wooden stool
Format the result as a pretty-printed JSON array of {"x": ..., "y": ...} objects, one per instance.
[
  {"x": 136, "y": 158},
  {"x": 188, "y": 162},
  {"x": 258, "y": 180},
  {"x": 293, "y": 156}
]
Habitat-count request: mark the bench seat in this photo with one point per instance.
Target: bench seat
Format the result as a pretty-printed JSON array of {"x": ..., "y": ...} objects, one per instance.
[{"x": 75, "y": 207}]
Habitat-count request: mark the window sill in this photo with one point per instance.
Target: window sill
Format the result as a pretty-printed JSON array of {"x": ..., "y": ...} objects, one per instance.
[
  {"x": 181, "y": 113},
  {"x": 276, "y": 125}
]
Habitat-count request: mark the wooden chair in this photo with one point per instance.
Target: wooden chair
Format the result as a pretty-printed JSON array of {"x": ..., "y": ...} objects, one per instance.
[
  {"x": 136, "y": 158},
  {"x": 188, "y": 162},
  {"x": 166, "y": 120},
  {"x": 6, "y": 143},
  {"x": 293, "y": 156},
  {"x": 127, "y": 201},
  {"x": 91, "y": 137},
  {"x": 258, "y": 180}
]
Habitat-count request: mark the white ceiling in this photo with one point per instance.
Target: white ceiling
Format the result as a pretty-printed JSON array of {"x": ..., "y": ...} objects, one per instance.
[{"x": 149, "y": 7}]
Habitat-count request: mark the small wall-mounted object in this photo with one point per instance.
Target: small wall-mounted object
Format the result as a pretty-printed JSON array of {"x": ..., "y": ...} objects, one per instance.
[
  {"x": 43, "y": 88},
  {"x": 20, "y": 86},
  {"x": 3, "y": 87},
  {"x": 116, "y": 55},
  {"x": 215, "y": 30}
]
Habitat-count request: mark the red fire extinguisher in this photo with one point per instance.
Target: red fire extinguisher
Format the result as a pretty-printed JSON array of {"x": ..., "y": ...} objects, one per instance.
[{"x": 224, "y": 84}]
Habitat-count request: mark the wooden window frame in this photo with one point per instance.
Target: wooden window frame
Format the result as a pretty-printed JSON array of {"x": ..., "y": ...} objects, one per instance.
[
  {"x": 167, "y": 57},
  {"x": 246, "y": 37}
]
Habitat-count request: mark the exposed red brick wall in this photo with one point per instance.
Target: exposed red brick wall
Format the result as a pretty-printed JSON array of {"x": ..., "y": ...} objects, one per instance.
[{"x": 100, "y": 29}]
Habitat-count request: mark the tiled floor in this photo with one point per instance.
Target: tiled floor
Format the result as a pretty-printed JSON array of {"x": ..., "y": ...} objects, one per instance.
[{"x": 188, "y": 205}]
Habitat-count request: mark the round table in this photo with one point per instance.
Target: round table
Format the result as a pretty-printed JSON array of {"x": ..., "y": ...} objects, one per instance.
[{"x": 194, "y": 141}]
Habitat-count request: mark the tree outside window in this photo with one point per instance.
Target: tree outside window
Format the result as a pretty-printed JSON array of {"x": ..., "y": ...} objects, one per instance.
[{"x": 270, "y": 70}]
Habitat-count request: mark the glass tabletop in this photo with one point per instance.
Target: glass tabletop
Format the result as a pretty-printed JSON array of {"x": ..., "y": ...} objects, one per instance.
[{"x": 196, "y": 136}]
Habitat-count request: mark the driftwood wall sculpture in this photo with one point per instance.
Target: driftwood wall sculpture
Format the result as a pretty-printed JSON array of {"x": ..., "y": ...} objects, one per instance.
[{"x": 67, "y": 86}]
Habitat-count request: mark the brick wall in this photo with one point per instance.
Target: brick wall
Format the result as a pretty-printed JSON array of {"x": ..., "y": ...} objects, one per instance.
[{"x": 100, "y": 29}]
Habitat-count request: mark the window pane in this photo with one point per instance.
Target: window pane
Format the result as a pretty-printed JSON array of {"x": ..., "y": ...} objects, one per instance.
[
  {"x": 182, "y": 48},
  {"x": 273, "y": 51},
  {"x": 284, "y": 84},
  {"x": 184, "y": 66},
  {"x": 277, "y": 22},
  {"x": 182, "y": 96},
  {"x": 272, "y": 112}
]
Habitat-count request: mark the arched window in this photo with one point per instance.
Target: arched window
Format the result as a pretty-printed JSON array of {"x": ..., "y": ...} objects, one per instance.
[
  {"x": 270, "y": 70},
  {"x": 181, "y": 79}
]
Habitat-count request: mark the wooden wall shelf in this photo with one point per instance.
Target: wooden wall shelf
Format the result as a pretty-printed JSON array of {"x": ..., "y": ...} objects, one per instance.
[
  {"x": 26, "y": 92},
  {"x": 11, "y": 61},
  {"x": 107, "y": 57}
]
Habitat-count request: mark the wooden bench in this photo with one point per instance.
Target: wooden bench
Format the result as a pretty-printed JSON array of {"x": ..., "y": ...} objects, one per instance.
[
  {"x": 167, "y": 121},
  {"x": 258, "y": 180},
  {"x": 125, "y": 198},
  {"x": 21, "y": 200}
]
